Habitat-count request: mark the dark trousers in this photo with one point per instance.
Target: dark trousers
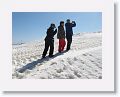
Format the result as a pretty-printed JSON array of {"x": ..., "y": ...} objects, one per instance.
[
  {"x": 48, "y": 43},
  {"x": 69, "y": 41}
]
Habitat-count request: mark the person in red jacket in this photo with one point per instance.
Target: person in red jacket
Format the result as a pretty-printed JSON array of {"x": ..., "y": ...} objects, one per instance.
[{"x": 61, "y": 36}]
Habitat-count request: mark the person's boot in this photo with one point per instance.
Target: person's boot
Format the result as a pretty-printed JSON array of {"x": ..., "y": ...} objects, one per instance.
[
  {"x": 51, "y": 56},
  {"x": 43, "y": 57},
  {"x": 59, "y": 51},
  {"x": 67, "y": 49}
]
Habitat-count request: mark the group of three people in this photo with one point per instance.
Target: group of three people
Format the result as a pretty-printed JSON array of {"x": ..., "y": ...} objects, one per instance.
[{"x": 61, "y": 35}]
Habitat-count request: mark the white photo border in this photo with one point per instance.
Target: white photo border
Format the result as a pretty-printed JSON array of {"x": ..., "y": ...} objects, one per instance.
[{"x": 104, "y": 84}]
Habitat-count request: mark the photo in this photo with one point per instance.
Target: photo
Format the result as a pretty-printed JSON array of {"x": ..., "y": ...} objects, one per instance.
[{"x": 56, "y": 45}]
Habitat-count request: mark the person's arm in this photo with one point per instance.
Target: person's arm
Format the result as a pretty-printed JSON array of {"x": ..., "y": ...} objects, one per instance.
[
  {"x": 58, "y": 34},
  {"x": 65, "y": 24},
  {"x": 55, "y": 31},
  {"x": 73, "y": 24},
  {"x": 47, "y": 31}
]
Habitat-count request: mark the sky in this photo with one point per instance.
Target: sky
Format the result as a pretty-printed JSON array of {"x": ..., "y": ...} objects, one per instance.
[{"x": 30, "y": 26}]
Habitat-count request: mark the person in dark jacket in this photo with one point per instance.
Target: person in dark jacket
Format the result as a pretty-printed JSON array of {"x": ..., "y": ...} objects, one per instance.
[
  {"x": 61, "y": 36},
  {"x": 69, "y": 32},
  {"x": 49, "y": 41}
]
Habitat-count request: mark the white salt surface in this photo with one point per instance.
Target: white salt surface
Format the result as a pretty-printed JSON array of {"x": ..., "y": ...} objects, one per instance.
[{"x": 83, "y": 61}]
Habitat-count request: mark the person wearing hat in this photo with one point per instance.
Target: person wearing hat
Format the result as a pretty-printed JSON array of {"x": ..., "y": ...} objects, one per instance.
[
  {"x": 49, "y": 41},
  {"x": 69, "y": 32},
  {"x": 61, "y": 36}
]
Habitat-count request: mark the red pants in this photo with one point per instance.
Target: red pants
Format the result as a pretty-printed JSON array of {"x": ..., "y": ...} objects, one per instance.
[{"x": 62, "y": 44}]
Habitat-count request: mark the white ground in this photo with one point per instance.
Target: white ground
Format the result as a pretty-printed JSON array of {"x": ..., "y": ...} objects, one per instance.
[{"x": 83, "y": 61}]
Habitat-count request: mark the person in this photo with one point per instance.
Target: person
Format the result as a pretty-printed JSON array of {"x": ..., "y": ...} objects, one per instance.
[
  {"x": 61, "y": 37},
  {"x": 49, "y": 41},
  {"x": 69, "y": 32}
]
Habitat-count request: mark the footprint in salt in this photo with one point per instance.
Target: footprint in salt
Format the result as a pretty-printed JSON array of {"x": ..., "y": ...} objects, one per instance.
[
  {"x": 84, "y": 54},
  {"x": 53, "y": 63},
  {"x": 59, "y": 70}
]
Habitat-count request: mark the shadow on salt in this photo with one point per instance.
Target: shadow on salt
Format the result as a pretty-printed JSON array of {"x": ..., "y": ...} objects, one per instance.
[{"x": 33, "y": 64}]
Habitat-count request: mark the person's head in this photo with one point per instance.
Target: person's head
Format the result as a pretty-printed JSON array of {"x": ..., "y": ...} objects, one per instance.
[
  {"x": 68, "y": 20},
  {"x": 62, "y": 23},
  {"x": 52, "y": 25}
]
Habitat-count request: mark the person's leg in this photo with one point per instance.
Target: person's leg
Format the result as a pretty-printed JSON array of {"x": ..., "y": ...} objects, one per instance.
[
  {"x": 59, "y": 45},
  {"x": 63, "y": 44},
  {"x": 45, "y": 49},
  {"x": 69, "y": 41},
  {"x": 51, "y": 48}
]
